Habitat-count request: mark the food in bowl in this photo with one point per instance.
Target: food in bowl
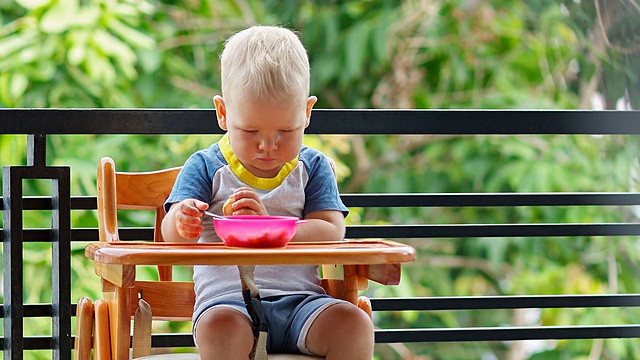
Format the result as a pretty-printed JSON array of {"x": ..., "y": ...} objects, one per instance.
[{"x": 255, "y": 231}]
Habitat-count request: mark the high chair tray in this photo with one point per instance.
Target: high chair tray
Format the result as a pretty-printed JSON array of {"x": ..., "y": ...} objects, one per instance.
[{"x": 351, "y": 252}]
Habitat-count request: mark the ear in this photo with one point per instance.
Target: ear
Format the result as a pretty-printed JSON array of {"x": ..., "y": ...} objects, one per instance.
[
  {"x": 221, "y": 111},
  {"x": 310, "y": 102}
]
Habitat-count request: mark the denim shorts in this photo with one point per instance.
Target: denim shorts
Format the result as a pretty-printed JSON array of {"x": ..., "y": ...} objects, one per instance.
[{"x": 288, "y": 317}]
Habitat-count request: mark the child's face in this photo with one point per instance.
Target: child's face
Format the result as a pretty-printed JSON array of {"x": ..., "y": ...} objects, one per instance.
[{"x": 264, "y": 135}]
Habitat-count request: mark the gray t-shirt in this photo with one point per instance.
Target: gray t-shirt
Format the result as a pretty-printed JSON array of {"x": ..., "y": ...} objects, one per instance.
[{"x": 305, "y": 185}]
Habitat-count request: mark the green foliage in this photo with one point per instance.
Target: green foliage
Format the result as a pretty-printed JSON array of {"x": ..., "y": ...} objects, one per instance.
[
  {"x": 608, "y": 31},
  {"x": 72, "y": 53}
]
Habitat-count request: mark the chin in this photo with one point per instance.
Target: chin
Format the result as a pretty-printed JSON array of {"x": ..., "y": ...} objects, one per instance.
[{"x": 267, "y": 172}]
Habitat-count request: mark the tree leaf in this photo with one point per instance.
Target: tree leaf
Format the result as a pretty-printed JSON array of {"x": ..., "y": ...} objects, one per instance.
[
  {"x": 614, "y": 80},
  {"x": 633, "y": 81},
  {"x": 43, "y": 71},
  {"x": 356, "y": 51},
  {"x": 149, "y": 60},
  {"x": 12, "y": 43},
  {"x": 58, "y": 17},
  {"x": 33, "y": 4},
  {"x": 134, "y": 37},
  {"x": 114, "y": 47}
]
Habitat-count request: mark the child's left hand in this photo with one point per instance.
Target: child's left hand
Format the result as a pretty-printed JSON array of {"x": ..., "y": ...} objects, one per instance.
[{"x": 247, "y": 202}]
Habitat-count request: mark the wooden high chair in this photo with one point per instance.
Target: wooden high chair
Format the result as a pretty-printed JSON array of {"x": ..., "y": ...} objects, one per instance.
[{"x": 109, "y": 320}]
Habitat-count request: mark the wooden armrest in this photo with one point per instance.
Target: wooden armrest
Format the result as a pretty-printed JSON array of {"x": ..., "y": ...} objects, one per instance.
[
  {"x": 170, "y": 300},
  {"x": 336, "y": 272},
  {"x": 385, "y": 274}
]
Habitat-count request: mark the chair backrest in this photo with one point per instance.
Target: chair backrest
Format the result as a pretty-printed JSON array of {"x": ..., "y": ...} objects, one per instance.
[{"x": 132, "y": 191}]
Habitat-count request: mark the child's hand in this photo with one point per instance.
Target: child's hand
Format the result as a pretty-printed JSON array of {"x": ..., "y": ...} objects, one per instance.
[
  {"x": 247, "y": 202},
  {"x": 188, "y": 217}
]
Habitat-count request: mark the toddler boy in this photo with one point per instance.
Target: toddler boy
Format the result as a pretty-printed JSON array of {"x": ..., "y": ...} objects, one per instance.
[{"x": 261, "y": 162}]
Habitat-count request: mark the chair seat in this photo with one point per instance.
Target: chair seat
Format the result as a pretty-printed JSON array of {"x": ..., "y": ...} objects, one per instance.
[{"x": 194, "y": 356}]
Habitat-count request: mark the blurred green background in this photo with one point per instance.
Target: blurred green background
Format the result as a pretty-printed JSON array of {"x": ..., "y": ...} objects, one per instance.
[{"x": 439, "y": 54}]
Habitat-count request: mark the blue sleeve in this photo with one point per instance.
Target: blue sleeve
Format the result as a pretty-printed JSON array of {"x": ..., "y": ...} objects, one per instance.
[
  {"x": 195, "y": 178},
  {"x": 321, "y": 191}
]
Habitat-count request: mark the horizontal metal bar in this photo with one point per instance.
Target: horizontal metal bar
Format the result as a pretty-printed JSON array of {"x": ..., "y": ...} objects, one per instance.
[
  {"x": 84, "y": 203},
  {"x": 422, "y": 200},
  {"x": 325, "y": 121},
  {"x": 453, "y": 303},
  {"x": 505, "y": 302},
  {"x": 44, "y": 203},
  {"x": 39, "y": 310},
  {"x": 507, "y": 333},
  {"x": 490, "y": 230},
  {"x": 398, "y": 231},
  {"x": 172, "y": 340},
  {"x": 384, "y": 336},
  {"x": 38, "y": 342},
  {"x": 491, "y": 199},
  {"x": 427, "y": 335},
  {"x": 86, "y": 234}
]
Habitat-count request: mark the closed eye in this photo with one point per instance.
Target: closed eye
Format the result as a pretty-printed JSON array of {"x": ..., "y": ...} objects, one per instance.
[{"x": 289, "y": 130}]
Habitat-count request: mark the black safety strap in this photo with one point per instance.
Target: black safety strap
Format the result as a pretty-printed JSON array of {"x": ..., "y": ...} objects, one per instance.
[
  {"x": 253, "y": 304},
  {"x": 254, "y": 308}
]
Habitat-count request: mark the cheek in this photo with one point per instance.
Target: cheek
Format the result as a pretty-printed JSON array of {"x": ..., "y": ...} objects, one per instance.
[
  {"x": 235, "y": 140},
  {"x": 292, "y": 144},
  {"x": 239, "y": 144}
]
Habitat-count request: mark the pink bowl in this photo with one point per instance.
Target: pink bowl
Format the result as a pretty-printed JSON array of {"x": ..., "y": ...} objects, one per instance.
[{"x": 255, "y": 231}]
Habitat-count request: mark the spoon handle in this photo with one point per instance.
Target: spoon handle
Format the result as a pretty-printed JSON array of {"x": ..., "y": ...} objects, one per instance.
[{"x": 208, "y": 213}]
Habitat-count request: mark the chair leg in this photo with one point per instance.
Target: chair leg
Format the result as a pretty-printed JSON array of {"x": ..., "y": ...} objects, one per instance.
[
  {"x": 84, "y": 329},
  {"x": 102, "y": 336},
  {"x": 365, "y": 304}
]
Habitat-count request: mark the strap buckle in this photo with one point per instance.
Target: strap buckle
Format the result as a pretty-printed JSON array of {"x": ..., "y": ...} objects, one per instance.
[{"x": 254, "y": 308}]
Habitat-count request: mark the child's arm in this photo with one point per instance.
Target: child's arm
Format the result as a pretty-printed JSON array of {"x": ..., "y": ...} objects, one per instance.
[
  {"x": 183, "y": 222},
  {"x": 326, "y": 225}
]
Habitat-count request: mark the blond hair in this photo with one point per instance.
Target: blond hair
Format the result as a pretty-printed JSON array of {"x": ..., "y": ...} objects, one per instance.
[{"x": 265, "y": 63}]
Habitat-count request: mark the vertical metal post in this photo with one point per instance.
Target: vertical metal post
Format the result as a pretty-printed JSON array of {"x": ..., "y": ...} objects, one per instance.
[
  {"x": 61, "y": 263},
  {"x": 37, "y": 150},
  {"x": 13, "y": 277},
  {"x": 12, "y": 271}
]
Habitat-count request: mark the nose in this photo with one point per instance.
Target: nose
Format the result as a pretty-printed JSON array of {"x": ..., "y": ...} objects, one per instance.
[{"x": 268, "y": 142}]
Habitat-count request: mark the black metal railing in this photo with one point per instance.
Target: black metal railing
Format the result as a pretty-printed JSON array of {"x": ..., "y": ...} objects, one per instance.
[{"x": 38, "y": 123}]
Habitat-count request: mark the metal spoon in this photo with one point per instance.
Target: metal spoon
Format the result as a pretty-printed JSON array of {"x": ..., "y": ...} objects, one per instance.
[{"x": 215, "y": 216}]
